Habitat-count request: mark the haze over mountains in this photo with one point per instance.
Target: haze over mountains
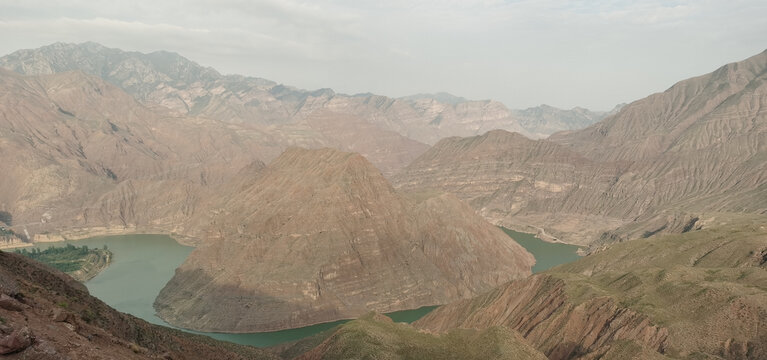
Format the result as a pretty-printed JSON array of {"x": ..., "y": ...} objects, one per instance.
[
  {"x": 189, "y": 89},
  {"x": 190, "y": 129}
]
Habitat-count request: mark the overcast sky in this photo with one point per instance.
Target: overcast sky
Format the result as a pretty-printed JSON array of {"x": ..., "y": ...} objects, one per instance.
[{"x": 524, "y": 53}]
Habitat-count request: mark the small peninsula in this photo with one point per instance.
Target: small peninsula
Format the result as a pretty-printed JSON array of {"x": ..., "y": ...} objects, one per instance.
[{"x": 81, "y": 263}]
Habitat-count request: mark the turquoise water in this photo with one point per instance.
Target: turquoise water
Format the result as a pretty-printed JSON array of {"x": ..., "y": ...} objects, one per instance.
[
  {"x": 547, "y": 255},
  {"x": 143, "y": 264}
]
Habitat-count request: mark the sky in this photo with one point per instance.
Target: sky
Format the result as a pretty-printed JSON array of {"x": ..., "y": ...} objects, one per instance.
[{"x": 564, "y": 53}]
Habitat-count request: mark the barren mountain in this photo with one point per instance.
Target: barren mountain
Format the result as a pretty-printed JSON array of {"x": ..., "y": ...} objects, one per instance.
[
  {"x": 544, "y": 120},
  {"x": 79, "y": 153},
  {"x": 174, "y": 84},
  {"x": 320, "y": 235},
  {"x": 428, "y": 119},
  {"x": 694, "y": 295},
  {"x": 186, "y": 88},
  {"x": 45, "y": 314},
  {"x": 658, "y": 165}
]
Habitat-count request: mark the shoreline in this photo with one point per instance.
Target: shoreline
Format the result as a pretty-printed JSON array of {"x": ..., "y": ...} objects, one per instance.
[
  {"x": 85, "y": 274},
  {"x": 90, "y": 233},
  {"x": 539, "y": 233}
]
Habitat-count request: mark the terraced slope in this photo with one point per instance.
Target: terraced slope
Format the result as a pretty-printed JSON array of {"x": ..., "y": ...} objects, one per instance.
[
  {"x": 81, "y": 157},
  {"x": 320, "y": 235},
  {"x": 661, "y": 164}
]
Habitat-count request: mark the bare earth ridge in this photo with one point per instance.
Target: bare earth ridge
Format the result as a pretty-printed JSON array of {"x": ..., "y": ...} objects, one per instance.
[
  {"x": 665, "y": 163},
  {"x": 320, "y": 235}
]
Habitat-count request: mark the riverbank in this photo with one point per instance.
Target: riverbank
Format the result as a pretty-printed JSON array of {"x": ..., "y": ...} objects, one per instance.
[
  {"x": 547, "y": 254},
  {"x": 81, "y": 263},
  {"x": 143, "y": 264},
  {"x": 96, "y": 262}
]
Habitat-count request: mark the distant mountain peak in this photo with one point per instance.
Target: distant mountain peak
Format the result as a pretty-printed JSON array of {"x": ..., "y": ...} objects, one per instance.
[{"x": 439, "y": 96}]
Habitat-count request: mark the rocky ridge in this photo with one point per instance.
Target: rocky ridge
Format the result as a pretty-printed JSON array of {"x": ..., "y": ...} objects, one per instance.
[
  {"x": 320, "y": 235},
  {"x": 544, "y": 120},
  {"x": 659, "y": 165},
  {"x": 172, "y": 81},
  {"x": 80, "y": 153},
  {"x": 628, "y": 295}
]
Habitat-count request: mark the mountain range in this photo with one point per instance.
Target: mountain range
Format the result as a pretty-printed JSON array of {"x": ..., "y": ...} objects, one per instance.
[
  {"x": 320, "y": 235},
  {"x": 168, "y": 79},
  {"x": 667, "y": 163},
  {"x": 312, "y": 206}
]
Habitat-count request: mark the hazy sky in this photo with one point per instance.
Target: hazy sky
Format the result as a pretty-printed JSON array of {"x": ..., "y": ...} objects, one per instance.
[{"x": 563, "y": 53}]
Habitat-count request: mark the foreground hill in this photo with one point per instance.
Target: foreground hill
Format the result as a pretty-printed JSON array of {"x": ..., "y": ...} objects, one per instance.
[
  {"x": 696, "y": 295},
  {"x": 320, "y": 235},
  {"x": 377, "y": 337},
  {"x": 48, "y": 315},
  {"x": 661, "y": 164}
]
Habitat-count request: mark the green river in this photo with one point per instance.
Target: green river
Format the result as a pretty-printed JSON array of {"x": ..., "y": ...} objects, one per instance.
[
  {"x": 143, "y": 264},
  {"x": 547, "y": 255}
]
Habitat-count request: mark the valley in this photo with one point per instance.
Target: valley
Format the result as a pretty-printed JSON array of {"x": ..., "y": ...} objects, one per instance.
[{"x": 313, "y": 224}]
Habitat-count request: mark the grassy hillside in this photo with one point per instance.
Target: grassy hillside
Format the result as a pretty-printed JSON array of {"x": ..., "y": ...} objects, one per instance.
[
  {"x": 708, "y": 287},
  {"x": 376, "y": 337},
  {"x": 697, "y": 295}
]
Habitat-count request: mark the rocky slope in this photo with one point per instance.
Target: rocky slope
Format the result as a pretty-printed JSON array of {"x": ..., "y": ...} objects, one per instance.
[
  {"x": 186, "y": 88},
  {"x": 79, "y": 153},
  {"x": 45, "y": 314},
  {"x": 628, "y": 297},
  {"x": 658, "y": 165},
  {"x": 514, "y": 181},
  {"x": 170, "y": 82},
  {"x": 320, "y": 235}
]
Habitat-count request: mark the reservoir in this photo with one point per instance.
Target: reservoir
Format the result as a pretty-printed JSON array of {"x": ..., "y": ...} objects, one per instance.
[
  {"x": 143, "y": 264},
  {"x": 547, "y": 255}
]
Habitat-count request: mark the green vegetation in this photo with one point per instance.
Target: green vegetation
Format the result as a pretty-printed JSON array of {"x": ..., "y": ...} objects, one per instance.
[
  {"x": 70, "y": 258},
  {"x": 4, "y": 231},
  {"x": 6, "y": 217}
]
